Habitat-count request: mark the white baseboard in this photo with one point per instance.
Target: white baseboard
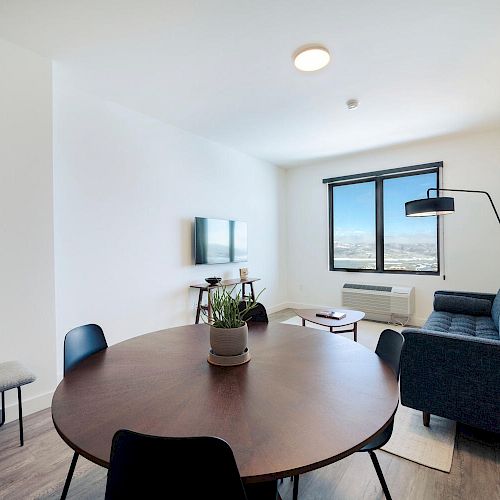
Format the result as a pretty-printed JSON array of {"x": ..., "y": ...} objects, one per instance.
[
  {"x": 293, "y": 305},
  {"x": 30, "y": 405},
  {"x": 303, "y": 305},
  {"x": 277, "y": 307},
  {"x": 418, "y": 321}
]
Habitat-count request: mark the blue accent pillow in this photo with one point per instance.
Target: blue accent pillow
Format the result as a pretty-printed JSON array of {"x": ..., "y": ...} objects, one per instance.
[
  {"x": 461, "y": 304},
  {"x": 495, "y": 310}
]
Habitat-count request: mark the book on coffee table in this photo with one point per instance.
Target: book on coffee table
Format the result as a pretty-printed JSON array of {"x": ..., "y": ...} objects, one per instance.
[{"x": 331, "y": 315}]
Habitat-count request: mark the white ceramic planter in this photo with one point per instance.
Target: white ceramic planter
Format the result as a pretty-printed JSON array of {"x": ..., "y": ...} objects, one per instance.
[{"x": 228, "y": 341}]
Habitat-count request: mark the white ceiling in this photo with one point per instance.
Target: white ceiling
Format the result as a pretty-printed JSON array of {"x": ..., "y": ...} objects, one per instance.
[{"x": 222, "y": 68}]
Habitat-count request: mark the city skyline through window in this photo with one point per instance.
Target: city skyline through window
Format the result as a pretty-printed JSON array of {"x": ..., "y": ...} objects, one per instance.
[{"x": 370, "y": 231}]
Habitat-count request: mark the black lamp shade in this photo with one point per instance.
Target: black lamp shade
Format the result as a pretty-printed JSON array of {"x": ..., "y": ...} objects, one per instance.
[{"x": 430, "y": 206}]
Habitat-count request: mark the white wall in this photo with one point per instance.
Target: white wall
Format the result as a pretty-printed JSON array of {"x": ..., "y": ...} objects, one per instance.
[
  {"x": 471, "y": 235},
  {"x": 27, "y": 317},
  {"x": 127, "y": 188}
]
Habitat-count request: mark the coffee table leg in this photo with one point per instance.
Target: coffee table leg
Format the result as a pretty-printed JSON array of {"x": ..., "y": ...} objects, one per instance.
[
  {"x": 303, "y": 322},
  {"x": 331, "y": 329},
  {"x": 355, "y": 330}
]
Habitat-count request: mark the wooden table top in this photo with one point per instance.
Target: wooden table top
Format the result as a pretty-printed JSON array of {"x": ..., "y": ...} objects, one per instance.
[
  {"x": 305, "y": 400},
  {"x": 206, "y": 286},
  {"x": 350, "y": 318}
]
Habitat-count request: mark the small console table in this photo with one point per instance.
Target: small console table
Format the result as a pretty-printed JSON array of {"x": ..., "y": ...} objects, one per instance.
[{"x": 205, "y": 287}]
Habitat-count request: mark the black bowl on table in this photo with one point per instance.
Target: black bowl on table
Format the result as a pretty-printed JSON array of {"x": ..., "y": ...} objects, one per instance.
[{"x": 213, "y": 281}]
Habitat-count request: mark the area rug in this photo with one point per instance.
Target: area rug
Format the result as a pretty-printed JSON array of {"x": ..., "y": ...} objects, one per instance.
[{"x": 431, "y": 446}]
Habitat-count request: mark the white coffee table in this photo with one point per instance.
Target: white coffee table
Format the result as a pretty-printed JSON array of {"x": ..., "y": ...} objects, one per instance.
[{"x": 351, "y": 318}]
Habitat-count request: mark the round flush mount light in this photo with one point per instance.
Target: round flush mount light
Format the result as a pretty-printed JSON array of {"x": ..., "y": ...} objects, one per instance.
[{"x": 311, "y": 57}]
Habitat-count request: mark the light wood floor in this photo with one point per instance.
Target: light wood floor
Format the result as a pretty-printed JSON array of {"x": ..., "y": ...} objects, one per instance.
[{"x": 38, "y": 470}]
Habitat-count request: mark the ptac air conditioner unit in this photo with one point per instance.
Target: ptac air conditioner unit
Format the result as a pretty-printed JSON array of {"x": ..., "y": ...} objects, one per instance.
[{"x": 380, "y": 303}]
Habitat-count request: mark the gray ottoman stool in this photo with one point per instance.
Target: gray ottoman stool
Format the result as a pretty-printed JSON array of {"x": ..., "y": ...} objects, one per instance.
[{"x": 13, "y": 375}]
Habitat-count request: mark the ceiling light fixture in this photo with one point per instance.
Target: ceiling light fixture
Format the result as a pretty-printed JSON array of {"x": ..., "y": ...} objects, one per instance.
[{"x": 311, "y": 57}]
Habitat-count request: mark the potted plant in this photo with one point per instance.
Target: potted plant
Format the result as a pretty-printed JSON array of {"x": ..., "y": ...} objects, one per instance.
[{"x": 228, "y": 327}]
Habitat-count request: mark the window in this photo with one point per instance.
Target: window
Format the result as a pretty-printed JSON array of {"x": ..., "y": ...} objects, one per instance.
[
  {"x": 354, "y": 231},
  {"x": 368, "y": 228},
  {"x": 410, "y": 243}
]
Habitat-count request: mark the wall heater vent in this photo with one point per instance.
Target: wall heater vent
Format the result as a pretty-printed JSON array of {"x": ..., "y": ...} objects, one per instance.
[{"x": 380, "y": 303}]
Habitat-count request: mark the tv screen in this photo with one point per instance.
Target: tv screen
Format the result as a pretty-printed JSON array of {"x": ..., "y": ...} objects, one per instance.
[{"x": 219, "y": 241}]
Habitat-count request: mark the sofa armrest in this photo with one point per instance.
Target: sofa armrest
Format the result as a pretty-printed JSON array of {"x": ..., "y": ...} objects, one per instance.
[{"x": 452, "y": 376}]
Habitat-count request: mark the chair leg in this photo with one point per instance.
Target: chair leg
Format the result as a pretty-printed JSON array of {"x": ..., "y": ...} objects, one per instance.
[
  {"x": 295, "y": 487},
  {"x": 426, "y": 417},
  {"x": 20, "y": 406},
  {"x": 380, "y": 475},
  {"x": 69, "y": 476},
  {"x": 2, "y": 421}
]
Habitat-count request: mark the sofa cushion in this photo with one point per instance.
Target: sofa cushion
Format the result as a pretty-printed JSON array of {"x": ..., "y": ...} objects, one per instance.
[
  {"x": 495, "y": 310},
  {"x": 461, "y": 304},
  {"x": 462, "y": 324}
]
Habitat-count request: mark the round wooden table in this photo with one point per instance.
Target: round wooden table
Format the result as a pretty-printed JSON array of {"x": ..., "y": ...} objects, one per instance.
[
  {"x": 306, "y": 398},
  {"x": 351, "y": 318}
]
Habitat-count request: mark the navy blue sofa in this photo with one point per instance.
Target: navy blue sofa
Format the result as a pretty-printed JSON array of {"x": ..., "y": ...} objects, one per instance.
[{"x": 451, "y": 366}]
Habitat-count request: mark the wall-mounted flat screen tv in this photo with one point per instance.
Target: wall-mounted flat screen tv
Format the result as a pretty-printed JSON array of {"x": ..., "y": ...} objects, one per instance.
[{"x": 219, "y": 241}]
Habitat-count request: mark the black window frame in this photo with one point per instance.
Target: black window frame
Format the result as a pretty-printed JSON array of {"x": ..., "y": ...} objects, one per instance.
[{"x": 379, "y": 177}]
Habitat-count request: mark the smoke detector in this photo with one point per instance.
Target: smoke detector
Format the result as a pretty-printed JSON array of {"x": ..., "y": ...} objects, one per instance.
[{"x": 352, "y": 104}]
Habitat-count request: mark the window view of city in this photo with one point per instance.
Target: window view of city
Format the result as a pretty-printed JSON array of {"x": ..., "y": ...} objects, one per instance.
[
  {"x": 397, "y": 257},
  {"x": 354, "y": 240},
  {"x": 410, "y": 244}
]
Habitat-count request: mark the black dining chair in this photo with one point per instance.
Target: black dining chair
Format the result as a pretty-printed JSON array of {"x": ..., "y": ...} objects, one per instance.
[
  {"x": 79, "y": 344},
  {"x": 257, "y": 315},
  {"x": 389, "y": 347},
  {"x": 143, "y": 466}
]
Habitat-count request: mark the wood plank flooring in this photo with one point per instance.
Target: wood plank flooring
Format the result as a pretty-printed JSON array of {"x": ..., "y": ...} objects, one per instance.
[{"x": 38, "y": 470}]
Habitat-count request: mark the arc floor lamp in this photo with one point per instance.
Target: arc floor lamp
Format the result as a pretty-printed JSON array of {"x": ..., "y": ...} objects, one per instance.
[{"x": 441, "y": 205}]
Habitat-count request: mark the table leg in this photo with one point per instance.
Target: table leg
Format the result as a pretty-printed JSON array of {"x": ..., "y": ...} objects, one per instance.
[
  {"x": 198, "y": 309},
  {"x": 243, "y": 291},
  {"x": 252, "y": 292},
  {"x": 331, "y": 329},
  {"x": 295, "y": 494},
  {"x": 303, "y": 322},
  {"x": 267, "y": 490},
  {"x": 209, "y": 305},
  {"x": 355, "y": 330}
]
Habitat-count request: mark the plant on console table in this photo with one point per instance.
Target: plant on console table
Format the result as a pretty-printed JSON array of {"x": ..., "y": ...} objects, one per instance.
[{"x": 228, "y": 327}]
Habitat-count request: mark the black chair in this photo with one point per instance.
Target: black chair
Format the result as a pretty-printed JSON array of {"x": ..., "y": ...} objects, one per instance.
[
  {"x": 79, "y": 344},
  {"x": 257, "y": 315},
  {"x": 389, "y": 347},
  {"x": 143, "y": 466}
]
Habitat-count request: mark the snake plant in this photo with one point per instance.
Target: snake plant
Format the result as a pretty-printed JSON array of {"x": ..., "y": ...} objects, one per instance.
[{"x": 225, "y": 308}]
